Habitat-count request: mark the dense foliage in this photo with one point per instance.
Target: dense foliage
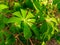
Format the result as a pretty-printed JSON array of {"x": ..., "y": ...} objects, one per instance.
[{"x": 29, "y": 22}]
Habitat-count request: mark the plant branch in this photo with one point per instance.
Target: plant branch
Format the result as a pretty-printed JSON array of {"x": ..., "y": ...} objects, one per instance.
[{"x": 31, "y": 42}]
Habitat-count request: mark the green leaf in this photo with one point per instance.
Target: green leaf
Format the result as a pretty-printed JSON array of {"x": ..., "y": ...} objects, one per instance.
[
  {"x": 27, "y": 31},
  {"x": 14, "y": 19},
  {"x": 43, "y": 27},
  {"x": 2, "y": 25},
  {"x": 5, "y": 20},
  {"x": 51, "y": 28},
  {"x": 9, "y": 40},
  {"x": 35, "y": 30},
  {"x": 16, "y": 6},
  {"x": 17, "y": 13},
  {"x": 58, "y": 6},
  {"x": 31, "y": 20},
  {"x": 43, "y": 43},
  {"x": 2, "y": 6},
  {"x": 29, "y": 4},
  {"x": 1, "y": 37},
  {"x": 24, "y": 12},
  {"x": 36, "y": 4},
  {"x": 30, "y": 15},
  {"x": 54, "y": 20},
  {"x": 56, "y": 1}
]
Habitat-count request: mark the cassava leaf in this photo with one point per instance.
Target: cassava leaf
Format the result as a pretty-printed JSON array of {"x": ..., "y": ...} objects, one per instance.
[
  {"x": 14, "y": 19},
  {"x": 18, "y": 14},
  {"x": 35, "y": 30},
  {"x": 27, "y": 31}
]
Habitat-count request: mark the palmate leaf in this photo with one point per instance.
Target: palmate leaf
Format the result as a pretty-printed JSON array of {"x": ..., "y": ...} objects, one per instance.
[
  {"x": 27, "y": 31},
  {"x": 23, "y": 14},
  {"x": 25, "y": 19}
]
